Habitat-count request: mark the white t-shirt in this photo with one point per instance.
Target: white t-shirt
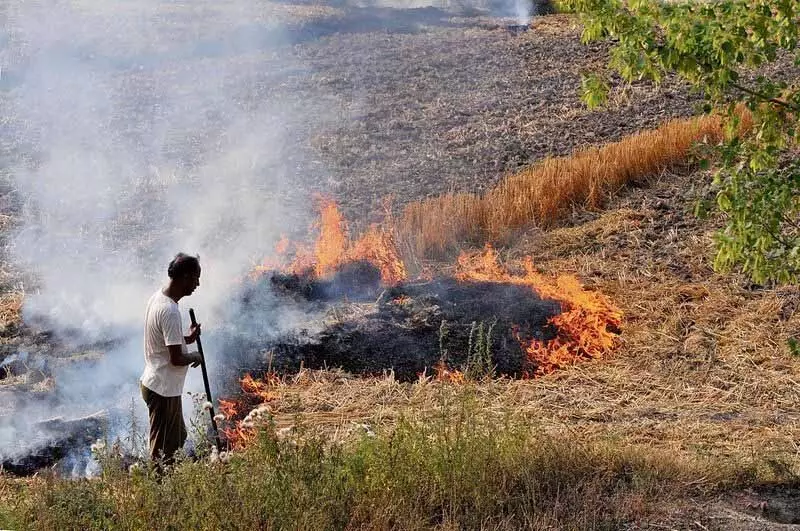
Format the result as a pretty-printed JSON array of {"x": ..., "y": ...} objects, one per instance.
[{"x": 162, "y": 327}]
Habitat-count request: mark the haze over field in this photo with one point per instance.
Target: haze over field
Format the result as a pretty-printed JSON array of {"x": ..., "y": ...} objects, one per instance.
[
  {"x": 134, "y": 136},
  {"x": 132, "y": 133},
  {"x": 137, "y": 130}
]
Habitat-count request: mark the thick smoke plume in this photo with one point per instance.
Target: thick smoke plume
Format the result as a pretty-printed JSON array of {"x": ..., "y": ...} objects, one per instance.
[
  {"x": 133, "y": 130},
  {"x": 137, "y": 129}
]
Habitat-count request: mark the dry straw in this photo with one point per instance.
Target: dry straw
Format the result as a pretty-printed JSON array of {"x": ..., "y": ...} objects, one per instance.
[
  {"x": 10, "y": 308},
  {"x": 703, "y": 367},
  {"x": 544, "y": 192}
]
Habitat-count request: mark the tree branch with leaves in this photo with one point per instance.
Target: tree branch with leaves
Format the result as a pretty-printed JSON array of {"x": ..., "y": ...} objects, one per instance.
[{"x": 712, "y": 45}]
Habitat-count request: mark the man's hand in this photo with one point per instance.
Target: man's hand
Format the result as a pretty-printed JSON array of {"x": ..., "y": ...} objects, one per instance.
[
  {"x": 194, "y": 333},
  {"x": 180, "y": 359},
  {"x": 194, "y": 358}
]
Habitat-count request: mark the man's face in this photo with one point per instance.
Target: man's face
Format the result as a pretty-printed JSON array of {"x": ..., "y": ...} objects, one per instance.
[{"x": 191, "y": 282}]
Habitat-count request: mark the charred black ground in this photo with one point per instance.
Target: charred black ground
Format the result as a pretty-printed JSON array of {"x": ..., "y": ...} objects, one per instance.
[
  {"x": 63, "y": 443},
  {"x": 407, "y": 328}
]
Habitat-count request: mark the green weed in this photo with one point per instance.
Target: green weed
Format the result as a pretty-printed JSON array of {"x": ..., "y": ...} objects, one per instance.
[{"x": 463, "y": 468}]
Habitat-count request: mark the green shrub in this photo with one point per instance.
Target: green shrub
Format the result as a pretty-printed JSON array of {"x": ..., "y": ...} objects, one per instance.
[{"x": 462, "y": 468}]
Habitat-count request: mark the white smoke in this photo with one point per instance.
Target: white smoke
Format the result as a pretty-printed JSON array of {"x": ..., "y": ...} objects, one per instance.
[
  {"x": 135, "y": 137},
  {"x": 137, "y": 129},
  {"x": 131, "y": 167},
  {"x": 522, "y": 11}
]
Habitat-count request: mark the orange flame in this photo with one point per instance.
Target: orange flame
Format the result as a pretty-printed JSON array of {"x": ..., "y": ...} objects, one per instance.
[
  {"x": 330, "y": 249},
  {"x": 229, "y": 408},
  {"x": 377, "y": 246},
  {"x": 333, "y": 248},
  {"x": 254, "y": 391},
  {"x": 277, "y": 261},
  {"x": 587, "y": 327},
  {"x": 260, "y": 389},
  {"x": 236, "y": 435},
  {"x": 442, "y": 373}
]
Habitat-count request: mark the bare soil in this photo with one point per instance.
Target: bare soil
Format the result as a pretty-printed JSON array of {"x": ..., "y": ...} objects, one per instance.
[
  {"x": 455, "y": 108},
  {"x": 452, "y": 102}
]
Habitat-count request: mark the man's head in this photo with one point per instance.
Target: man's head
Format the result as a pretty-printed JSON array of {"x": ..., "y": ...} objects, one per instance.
[{"x": 184, "y": 274}]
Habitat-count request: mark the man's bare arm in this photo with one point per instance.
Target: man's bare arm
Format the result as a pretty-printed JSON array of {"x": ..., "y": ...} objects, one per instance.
[
  {"x": 194, "y": 333},
  {"x": 178, "y": 358}
]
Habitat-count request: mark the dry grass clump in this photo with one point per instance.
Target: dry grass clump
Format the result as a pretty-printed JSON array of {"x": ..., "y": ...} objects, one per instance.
[
  {"x": 703, "y": 368},
  {"x": 11, "y": 308},
  {"x": 544, "y": 192}
]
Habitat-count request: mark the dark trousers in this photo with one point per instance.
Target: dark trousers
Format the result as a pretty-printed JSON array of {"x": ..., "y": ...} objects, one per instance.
[{"x": 167, "y": 430}]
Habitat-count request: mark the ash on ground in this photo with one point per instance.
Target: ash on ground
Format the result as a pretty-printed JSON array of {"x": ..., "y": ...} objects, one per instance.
[{"x": 408, "y": 328}]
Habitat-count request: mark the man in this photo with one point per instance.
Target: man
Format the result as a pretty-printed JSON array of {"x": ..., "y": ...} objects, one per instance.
[{"x": 166, "y": 359}]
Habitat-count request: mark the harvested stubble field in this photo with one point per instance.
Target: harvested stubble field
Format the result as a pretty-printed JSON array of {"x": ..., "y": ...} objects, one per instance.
[
  {"x": 703, "y": 369},
  {"x": 442, "y": 102},
  {"x": 455, "y": 105},
  {"x": 474, "y": 104}
]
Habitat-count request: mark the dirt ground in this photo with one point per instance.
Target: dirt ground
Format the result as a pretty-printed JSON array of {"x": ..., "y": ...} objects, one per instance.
[
  {"x": 452, "y": 107},
  {"x": 427, "y": 101}
]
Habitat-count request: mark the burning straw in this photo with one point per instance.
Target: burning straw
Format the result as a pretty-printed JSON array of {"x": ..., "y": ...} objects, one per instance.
[
  {"x": 588, "y": 325},
  {"x": 584, "y": 325},
  {"x": 333, "y": 248}
]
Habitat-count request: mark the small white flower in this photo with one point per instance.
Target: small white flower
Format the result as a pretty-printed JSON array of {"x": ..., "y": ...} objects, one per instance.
[
  {"x": 255, "y": 417},
  {"x": 208, "y": 406},
  {"x": 225, "y": 457},
  {"x": 219, "y": 417},
  {"x": 98, "y": 446},
  {"x": 282, "y": 433}
]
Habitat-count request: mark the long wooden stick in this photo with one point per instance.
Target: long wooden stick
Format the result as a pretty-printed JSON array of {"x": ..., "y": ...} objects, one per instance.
[{"x": 205, "y": 381}]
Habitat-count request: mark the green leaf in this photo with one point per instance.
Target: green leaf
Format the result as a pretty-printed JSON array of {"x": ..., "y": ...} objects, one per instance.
[
  {"x": 594, "y": 91},
  {"x": 794, "y": 346},
  {"x": 709, "y": 45}
]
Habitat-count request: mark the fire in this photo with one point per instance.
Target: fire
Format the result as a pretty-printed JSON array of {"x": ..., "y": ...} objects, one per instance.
[
  {"x": 282, "y": 246},
  {"x": 261, "y": 389},
  {"x": 240, "y": 425},
  {"x": 442, "y": 373},
  {"x": 587, "y": 327},
  {"x": 331, "y": 247},
  {"x": 277, "y": 261},
  {"x": 377, "y": 246},
  {"x": 334, "y": 248},
  {"x": 236, "y": 435}
]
